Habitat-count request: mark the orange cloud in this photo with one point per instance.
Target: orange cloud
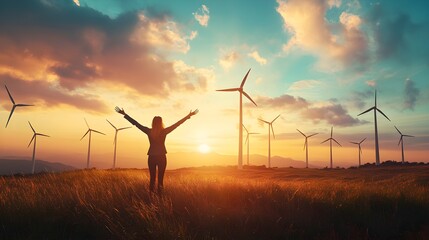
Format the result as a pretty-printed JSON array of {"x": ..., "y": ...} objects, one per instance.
[{"x": 311, "y": 32}]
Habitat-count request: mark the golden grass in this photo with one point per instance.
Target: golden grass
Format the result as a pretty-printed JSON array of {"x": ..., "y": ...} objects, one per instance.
[{"x": 218, "y": 203}]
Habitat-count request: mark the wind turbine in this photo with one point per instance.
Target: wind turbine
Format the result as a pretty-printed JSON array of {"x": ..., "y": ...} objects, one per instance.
[
  {"x": 330, "y": 144},
  {"x": 34, "y": 146},
  {"x": 240, "y": 130},
  {"x": 270, "y": 126},
  {"x": 248, "y": 142},
  {"x": 360, "y": 149},
  {"x": 89, "y": 142},
  {"x": 401, "y": 141},
  {"x": 375, "y": 109},
  {"x": 306, "y": 145},
  {"x": 115, "y": 141},
  {"x": 14, "y": 105}
]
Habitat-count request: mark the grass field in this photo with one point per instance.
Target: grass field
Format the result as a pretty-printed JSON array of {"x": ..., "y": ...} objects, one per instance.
[{"x": 219, "y": 203}]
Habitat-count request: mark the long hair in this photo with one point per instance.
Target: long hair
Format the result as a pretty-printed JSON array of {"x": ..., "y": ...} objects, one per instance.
[{"x": 157, "y": 126}]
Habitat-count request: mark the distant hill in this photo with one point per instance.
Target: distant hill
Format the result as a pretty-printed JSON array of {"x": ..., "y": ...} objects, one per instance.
[{"x": 14, "y": 166}]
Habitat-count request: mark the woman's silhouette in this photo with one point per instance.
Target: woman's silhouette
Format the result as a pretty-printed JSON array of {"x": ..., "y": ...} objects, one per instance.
[{"x": 157, "y": 151}]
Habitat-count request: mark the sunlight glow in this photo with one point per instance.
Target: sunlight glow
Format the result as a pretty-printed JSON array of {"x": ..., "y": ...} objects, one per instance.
[{"x": 204, "y": 148}]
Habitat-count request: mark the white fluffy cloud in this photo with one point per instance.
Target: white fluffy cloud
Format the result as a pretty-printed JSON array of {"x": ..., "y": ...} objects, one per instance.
[
  {"x": 304, "y": 84},
  {"x": 255, "y": 55},
  {"x": 228, "y": 59},
  {"x": 202, "y": 15}
]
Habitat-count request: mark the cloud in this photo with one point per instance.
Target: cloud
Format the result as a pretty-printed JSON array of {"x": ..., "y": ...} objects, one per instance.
[
  {"x": 78, "y": 47},
  {"x": 304, "y": 84},
  {"x": 284, "y": 101},
  {"x": 255, "y": 55},
  {"x": 411, "y": 92},
  {"x": 340, "y": 43},
  {"x": 202, "y": 15},
  {"x": 192, "y": 78},
  {"x": 228, "y": 59},
  {"x": 397, "y": 36},
  {"x": 77, "y": 2},
  {"x": 332, "y": 113},
  {"x": 357, "y": 98},
  {"x": 42, "y": 93}
]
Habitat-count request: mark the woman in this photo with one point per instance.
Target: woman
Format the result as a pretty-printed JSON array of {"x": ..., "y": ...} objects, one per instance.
[{"x": 157, "y": 151}]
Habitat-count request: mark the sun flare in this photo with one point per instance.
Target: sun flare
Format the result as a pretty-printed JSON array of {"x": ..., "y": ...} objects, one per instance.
[{"x": 204, "y": 148}]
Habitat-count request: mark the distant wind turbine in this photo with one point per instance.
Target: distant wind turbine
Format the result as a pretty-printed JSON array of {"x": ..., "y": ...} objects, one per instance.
[
  {"x": 375, "y": 109},
  {"x": 330, "y": 144},
  {"x": 89, "y": 141},
  {"x": 360, "y": 149},
  {"x": 248, "y": 142},
  {"x": 306, "y": 145},
  {"x": 35, "y": 134},
  {"x": 401, "y": 141},
  {"x": 115, "y": 141},
  {"x": 240, "y": 130},
  {"x": 270, "y": 126},
  {"x": 14, "y": 105}
]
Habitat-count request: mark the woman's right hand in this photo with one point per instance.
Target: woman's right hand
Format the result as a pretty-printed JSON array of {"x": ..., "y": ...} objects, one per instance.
[{"x": 120, "y": 110}]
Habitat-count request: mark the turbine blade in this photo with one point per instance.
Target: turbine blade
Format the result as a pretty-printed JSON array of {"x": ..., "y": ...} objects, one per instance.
[
  {"x": 41, "y": 134},
  {"x": 275, "y": 118},
  {"x": 253, "y": 133},
  {"x": 247, "y": 139},
  {"x": 332, "y": 129},
  {"x": 97, "y": 131},
  {"x": 123, "y": 128},
  {"x": 228, "y": 90},
  {"x": 85, "y": 134},
  {"x": 360, "y": 149},
  {"x": 408, "y": 136},
  {"x": 398, "y": 130},
  {"x": 362, "y": 141},
  {"x": 382, "y": 113},
  {"x": 23, "y": 105},
  {"x": 263, "y": 121},
  {"x": 312, "y": 135},
  {"x": 400, "y": 140},
  {"x": 305, "y": 143},
  {"x": 375, "y": 97},
  {"x": 111, "y": 124},
  {"x": 325, "y": 140},
  {"x": 31, "y": 127},
  {"x": 272, "y": 130},
  {"x": 337, "y": 142},
  {"x": 10, "y": 96},
  {"x": 301, "y": 133},
  {"x": 366, "y": 111},
  {"x": 86, "y": 123},
  {"x": 245, "y": 129},
  {"x": 354, "y": 143},
  {"x": 10, "y": 115},
  {"x": 244, "y": 79},
  {"x": 34, "y": 136},
  {"x": 116, "y": 137},
  {"x": 248, "y": 97}
]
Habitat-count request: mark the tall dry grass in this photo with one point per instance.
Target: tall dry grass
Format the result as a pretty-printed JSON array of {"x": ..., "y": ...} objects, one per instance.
[{"x": 218, "y": 203}]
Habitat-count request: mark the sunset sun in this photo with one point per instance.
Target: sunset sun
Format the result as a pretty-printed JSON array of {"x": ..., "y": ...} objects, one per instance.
[{"x": 204, "y": 148}]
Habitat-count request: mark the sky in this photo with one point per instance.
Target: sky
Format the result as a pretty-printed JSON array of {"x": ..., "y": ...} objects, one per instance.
[{"x": 315, "y": 62}]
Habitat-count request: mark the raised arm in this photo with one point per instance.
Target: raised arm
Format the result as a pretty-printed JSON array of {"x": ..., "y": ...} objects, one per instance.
[
  {"x": 132, "y": 121},
  {"x": 174, "y": 126}
]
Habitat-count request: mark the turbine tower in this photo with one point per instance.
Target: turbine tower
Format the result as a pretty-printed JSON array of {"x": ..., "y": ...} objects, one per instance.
[
  {"x": 89, "y": 141},
  {"x": 306, "y": 145},
  {"x": 360, "y": 149},
  {"x": 375, "y": 109},
  {"x": 115, "y": 141},
  {"x": 35, "y": 134},
  {"x": 270, "y": 126},
  {"x": 401, "y": 141},
  {"x": 240, "y": 130},
  {"x": 330, "y": 144},
  {"x": 248, "y": 142},
  {"x": 14, "y": 105}
]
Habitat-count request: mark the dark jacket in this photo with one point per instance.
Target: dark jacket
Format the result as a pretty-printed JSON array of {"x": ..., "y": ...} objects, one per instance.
[{"x": 157, "y": 145}]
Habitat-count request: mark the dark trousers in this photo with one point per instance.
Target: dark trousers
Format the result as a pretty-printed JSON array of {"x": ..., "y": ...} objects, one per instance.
[{"x": 159, "y": 161}]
